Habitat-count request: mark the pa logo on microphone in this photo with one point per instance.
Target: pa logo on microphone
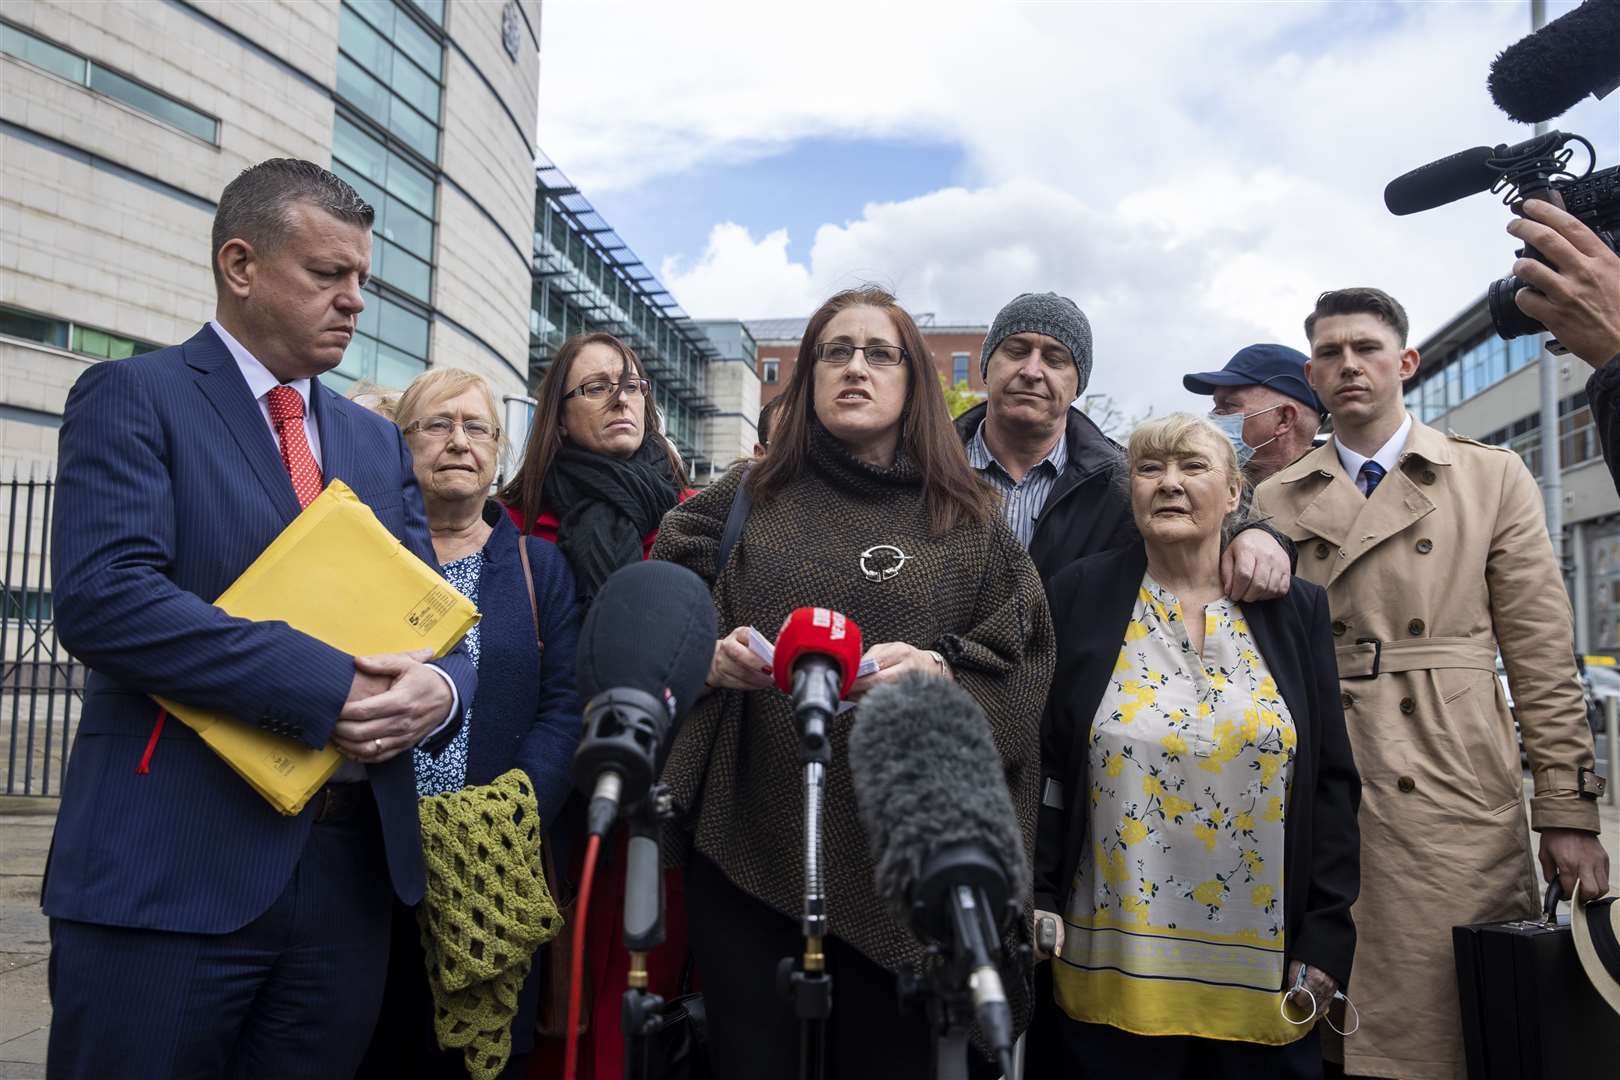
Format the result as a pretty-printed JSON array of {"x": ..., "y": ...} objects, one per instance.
[{"x": 880, "y": 562}]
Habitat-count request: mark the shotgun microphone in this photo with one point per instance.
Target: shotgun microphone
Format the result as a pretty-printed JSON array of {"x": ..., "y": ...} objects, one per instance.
[
  {"x": 1546, "y": 73},
  {"x": 1465, "y": 173},
  {"x": 933, "y": 799}
]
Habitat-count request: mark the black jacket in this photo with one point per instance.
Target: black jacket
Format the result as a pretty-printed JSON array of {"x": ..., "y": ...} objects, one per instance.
[
  {"x": 1092, "y": 602},
  {"x": 1087, "y": 511},
  {"x": 1603, "y": 391}
]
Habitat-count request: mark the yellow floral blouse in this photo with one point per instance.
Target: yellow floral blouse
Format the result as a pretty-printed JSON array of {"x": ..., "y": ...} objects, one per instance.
[{"x": 1175, "y": 921}]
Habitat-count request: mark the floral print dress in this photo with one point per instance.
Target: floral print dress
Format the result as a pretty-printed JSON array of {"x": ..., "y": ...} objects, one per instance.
[
  {"x": 448, "y": 771},
  {"x": 1175, "y": 919}
]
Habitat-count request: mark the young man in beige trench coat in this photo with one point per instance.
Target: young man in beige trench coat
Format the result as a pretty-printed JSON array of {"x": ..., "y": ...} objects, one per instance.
[{"x": 1445, "y": 562}]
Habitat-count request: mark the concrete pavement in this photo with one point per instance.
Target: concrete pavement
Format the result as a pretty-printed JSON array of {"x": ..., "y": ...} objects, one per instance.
[{"x": 25, "y": 1009}]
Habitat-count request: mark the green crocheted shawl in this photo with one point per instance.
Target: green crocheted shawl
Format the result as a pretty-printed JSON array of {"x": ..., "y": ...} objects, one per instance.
[{"x": 486, "y": 910}]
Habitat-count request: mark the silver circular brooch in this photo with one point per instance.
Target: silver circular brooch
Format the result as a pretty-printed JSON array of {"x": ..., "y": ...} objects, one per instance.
[{"x": 880, "y": 562}]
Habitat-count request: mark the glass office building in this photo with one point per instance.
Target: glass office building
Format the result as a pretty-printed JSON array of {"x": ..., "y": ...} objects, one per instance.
[
  {"x": 385, "y": 141},
  {"x": 124, "y": 120},
  {"x": 1468, "y": 359},
  {"x": 586, "y": 279}
]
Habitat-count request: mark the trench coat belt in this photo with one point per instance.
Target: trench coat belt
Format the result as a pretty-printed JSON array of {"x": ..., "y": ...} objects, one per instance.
[{"x": 1368, "y": 657}]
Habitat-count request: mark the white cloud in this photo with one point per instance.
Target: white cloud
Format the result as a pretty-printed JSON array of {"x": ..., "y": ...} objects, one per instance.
[
  {"x": 1191, "y": 174},
  {"x": 732, "y": 257}
]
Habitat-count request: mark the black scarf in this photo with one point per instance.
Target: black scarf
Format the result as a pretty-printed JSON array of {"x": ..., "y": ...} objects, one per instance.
[{"x": 605, "y": 505}]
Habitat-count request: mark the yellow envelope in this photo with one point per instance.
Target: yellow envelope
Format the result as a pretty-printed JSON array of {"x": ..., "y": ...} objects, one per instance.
[{"x": 338, "y": 575}]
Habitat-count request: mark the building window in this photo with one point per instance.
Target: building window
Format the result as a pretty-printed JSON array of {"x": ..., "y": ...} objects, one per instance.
[
  {"x": 389, "y": 69},
  {"x": 40, "y": 328},
  {"x": 1577, "y": 443},
  {"x": 390, "y": 345},
  {"x": 402, "y": 195},
  {"x": 62, "y": 334},
  {"x": 1473, "y": 371},
  {"x": 959, "y": 368},
  {"x": 770, "y": 370},
  {"x": 433, "y": 9},
  {"x": 69, "y": 65},
  {"x": 29, "y": 605},
  {"x": 106, "y": 346},
  {"x": 1522, "y": 351}
]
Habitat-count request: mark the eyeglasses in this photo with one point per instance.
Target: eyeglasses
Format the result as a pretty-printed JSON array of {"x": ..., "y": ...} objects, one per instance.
[
  {"x": 842, "y": 352},
  {"x": 441, "y": 427},
  {"x": 1309, "y": 1009},
  {"x": 597, "y": 390}
]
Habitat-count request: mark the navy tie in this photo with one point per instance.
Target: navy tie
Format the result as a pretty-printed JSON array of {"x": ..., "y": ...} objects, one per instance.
[{"x": 1371, "y": 473}]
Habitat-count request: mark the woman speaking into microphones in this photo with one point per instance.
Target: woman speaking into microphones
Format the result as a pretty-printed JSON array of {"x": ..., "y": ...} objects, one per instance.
[{"x": 864, "y": 504}]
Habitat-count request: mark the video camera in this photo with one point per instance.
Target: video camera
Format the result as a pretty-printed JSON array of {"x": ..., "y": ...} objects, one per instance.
[
  {"x": 1533, "y": 81},
  {"x": 1537, "y": 168}
]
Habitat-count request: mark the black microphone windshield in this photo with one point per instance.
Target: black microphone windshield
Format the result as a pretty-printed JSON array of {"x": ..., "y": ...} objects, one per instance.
[
  {"x": 928, "y": 779},
  {"x": 1576, "y": 54},
  {"x": 651, "y": 628},
  {"x": 1439, "y": 182}
]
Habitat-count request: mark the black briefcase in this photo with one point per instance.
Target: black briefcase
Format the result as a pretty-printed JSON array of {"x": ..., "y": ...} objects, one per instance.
[{"x": 1528, "y": 1010}]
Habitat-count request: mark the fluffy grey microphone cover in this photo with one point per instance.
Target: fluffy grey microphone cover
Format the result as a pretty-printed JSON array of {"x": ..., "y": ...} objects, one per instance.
[{"x": 926, "y": 777}]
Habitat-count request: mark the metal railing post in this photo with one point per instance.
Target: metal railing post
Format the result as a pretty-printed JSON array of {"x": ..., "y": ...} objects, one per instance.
[{"x": 1611, "y": 716}]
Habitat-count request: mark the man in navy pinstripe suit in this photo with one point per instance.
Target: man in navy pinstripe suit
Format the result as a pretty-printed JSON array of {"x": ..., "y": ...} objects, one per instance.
[{"x": 195, "y": 931}]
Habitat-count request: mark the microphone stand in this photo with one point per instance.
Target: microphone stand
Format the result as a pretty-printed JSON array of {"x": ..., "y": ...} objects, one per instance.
[
  {"x": 952, "y": 909},
  {"x": 642, "y": 1015},
  {"x": 804, "y": 979},
  {"x": 947, "y": 993}
]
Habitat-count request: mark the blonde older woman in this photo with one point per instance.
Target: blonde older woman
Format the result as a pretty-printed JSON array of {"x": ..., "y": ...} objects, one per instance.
[
  {"x": 526, "y": 712},
  {"x": 1197, "y": 834}
]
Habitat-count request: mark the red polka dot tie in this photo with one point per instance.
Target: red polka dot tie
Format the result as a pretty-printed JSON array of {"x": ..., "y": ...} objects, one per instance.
[{"x": 287, "y": 414}]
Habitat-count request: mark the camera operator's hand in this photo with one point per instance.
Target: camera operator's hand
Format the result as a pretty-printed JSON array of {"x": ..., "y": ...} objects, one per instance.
[{"x": 1579, "y": 301}]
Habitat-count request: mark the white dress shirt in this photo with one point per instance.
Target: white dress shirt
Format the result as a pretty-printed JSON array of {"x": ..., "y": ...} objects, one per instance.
[
  {"x": 1388, "y": 455},
  {"x": 260, "y": 382}
]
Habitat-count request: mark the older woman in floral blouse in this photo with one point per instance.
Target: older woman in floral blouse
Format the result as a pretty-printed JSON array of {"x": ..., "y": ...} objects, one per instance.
[{"x": 1197, "y": 840}]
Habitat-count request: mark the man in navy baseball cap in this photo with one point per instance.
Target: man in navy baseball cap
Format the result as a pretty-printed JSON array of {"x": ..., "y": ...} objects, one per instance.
[{"x": 1264, "y": 405}]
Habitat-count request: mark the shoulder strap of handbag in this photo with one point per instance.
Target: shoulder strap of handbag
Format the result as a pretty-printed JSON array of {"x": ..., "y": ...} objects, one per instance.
[
  {"x": 741, "y": 503},
  {"x": 528, "y": 583}
]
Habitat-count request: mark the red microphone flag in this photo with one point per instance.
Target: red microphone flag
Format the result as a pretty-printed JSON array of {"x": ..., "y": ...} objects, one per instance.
[{"x": 817, "y": 631}]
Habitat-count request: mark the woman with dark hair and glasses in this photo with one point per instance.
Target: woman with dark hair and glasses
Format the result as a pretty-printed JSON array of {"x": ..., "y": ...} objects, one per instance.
[
  {"x": 598, "y": 473},
  {"x": 864, "y": 504},
  {"x": 597, "y": 476}
]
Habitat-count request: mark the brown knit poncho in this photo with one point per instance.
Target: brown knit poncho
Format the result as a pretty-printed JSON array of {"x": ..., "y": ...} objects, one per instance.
[{"x": 972, "y": 594}]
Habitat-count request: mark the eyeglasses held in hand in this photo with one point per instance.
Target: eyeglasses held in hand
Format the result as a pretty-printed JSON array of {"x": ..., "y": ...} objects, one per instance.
[
  {"x": 597, "y": 390},
  {"x": 1298, "y": 1001},
  {"x": 842, "y": 352},
  {"x": 440, "y": 427}
]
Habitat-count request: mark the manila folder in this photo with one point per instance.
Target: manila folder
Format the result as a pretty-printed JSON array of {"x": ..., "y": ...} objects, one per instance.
[{"x": 337, "y": 575}]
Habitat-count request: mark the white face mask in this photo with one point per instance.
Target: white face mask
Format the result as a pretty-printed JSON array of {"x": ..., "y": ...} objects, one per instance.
[{"x": 1231, "y": 425}]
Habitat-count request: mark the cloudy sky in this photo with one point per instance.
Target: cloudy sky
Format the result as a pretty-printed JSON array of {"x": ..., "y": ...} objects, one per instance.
[{"x": 1192, "y": 174}]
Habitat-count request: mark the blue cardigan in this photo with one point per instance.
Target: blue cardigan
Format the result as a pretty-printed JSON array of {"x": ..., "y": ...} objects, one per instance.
[{"x": 526, "y": 709}]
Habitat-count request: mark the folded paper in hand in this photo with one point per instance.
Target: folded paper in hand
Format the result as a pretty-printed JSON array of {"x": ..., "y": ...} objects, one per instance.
[{"x": 337, "y": 574}]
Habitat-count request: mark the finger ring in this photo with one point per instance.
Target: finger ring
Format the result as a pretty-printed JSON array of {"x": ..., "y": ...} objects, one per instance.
[{"x": 376, "y": 746}]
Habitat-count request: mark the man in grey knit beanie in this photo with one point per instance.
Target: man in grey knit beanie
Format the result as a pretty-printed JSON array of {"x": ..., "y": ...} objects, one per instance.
[
  {"x": 1056, "y": 472},
  {"x": 1043, "y": 313}
]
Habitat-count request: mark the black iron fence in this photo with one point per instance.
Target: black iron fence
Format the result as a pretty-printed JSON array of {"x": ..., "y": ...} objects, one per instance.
[{"x": 41, "y": 686}]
